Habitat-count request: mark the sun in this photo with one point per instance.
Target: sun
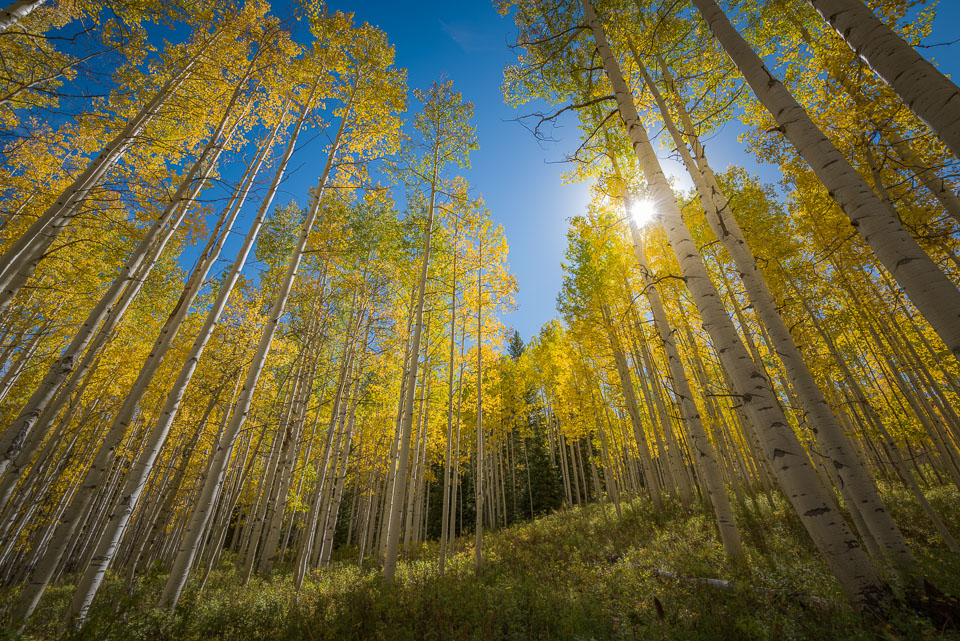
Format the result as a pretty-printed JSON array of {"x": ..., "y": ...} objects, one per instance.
[{"x": 643, "y": 212}]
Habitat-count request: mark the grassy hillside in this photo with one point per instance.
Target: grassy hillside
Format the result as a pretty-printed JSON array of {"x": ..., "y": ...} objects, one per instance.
[{"x": 576, "y": 574}]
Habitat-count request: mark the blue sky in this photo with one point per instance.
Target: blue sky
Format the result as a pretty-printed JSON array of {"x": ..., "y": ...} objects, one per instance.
[{"x": 519, "y": 178}]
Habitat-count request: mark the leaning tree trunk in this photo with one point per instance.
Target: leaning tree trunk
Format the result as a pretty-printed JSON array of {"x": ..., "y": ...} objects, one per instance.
[
  {"x": 838, "y": 545},
  {"x": 834, "y": 444},
  {"x": 925, "y": 284},
  {"x": 648, "y": 470},
  {"x": 700, "y": 446},
  {"x": 13, "y": 438},
  {"x": 16, "y": 12},
  {"x": 109, "y": 538},
  {"x": 23, "y": 254},
  {"x": 933, "y": 97}
]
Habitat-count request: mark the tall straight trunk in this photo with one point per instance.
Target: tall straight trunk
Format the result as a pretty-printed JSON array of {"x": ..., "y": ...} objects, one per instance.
[
  {"x": 334, "y": 432},
  {"x": 413, "y": 483},
  {"x": 933, "y": 97},
  {"x": 833, "y": 443},
  {"x": 391, "y": 481},
  {"x": 406, "y": 424},
  {"x": 839, "y": 546},
  {"x": 455, "y": 482},
  {"x": 288, "y": 457},
  {"x": 650, "y": 478},
  {"x": 211, "y": 489},
  {"x": 445, "y": 516},
  {"x": 343, "y": 459},
  {"x": 142, "y": 467},
  {"x": 681, "y": 471},
  {"x": 925, "y": 284},
  {"x": 478, "y": 530}
]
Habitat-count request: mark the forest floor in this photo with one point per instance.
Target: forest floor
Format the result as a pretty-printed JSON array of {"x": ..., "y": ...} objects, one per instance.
[{"x": 575, "y": 574}]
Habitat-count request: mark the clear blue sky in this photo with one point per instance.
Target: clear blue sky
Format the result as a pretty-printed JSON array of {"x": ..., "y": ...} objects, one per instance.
[{"x": 467, "y": 42}]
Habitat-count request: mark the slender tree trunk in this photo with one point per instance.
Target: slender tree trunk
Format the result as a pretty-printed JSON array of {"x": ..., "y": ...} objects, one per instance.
[
  {"x": 445, "y": 517},
  {"x": 208, "y": 496},
  {"x": 478, "y": 529},
  {"x": 650, "y": 476},
  {"x": 406, "y": 425},
  {"x": 834, "y": 445},
  {"x": 58, "y": 215},
  {"x": 13, "y": 438}
]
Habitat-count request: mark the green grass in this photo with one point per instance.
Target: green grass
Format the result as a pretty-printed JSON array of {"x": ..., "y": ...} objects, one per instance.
[{"x": 576, "y": 574}]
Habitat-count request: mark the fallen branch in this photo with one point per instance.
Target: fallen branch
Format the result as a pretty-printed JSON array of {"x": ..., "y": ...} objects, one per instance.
[{"x": 726, "y": 586}]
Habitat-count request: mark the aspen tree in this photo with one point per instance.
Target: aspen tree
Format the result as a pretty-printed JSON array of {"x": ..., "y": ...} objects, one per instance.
[
  {"x": 924, "y": 283},
  {"x": 834, "y": 445},
  {"x": 932, "y": 96},
  {"x": 478, "y": 463},
  {"x": 447, "y": 137},
  {"x": 368, "y": 91},
  {"x": 109, "y": 538},
  {"x": 13, "y": 438},
  {"x": 840, "y": 548},
  {"x": 17, "y": 260},
  {"x": 17, "y": 11}
]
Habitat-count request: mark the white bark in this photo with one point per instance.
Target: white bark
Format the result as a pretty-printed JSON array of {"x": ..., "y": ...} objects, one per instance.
[
  {"x": 406, "y": 424},
  {"x": 118, "y": 296},
  {"x": 701, "y": 448},
  {"x": 834, "y": 445},
  {"x": 925, "y": 284},
  {"x": 840, "y": 548},
  {"x": 109, "y": 539},
  {"x": 190, "y": 541},
  {"x": 650, "y": 477},
  {"x": 16, "y": 12},
  {"x": 478, "y": 533},
  {"x": 933, "y": 97},
  {"x": 30, "y": 246}
]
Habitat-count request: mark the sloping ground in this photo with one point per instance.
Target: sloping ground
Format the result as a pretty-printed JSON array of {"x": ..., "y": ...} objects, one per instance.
[{"x": 577, "y": 574}]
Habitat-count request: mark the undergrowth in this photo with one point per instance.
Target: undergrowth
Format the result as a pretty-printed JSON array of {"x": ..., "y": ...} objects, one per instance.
[{"x": 583, "y": 573}]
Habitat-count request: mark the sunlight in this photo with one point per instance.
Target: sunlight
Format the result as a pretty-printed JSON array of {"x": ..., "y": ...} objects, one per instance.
[{"x": 643, "y": 211}]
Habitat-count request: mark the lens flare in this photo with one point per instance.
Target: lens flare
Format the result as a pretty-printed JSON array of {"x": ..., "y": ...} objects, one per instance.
[{"x": 642, "y": 212}]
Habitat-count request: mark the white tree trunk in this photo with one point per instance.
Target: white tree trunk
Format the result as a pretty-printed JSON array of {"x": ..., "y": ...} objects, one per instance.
[
  {"x": 925, "y": 284},
  {"x": 40, "y": 235},
  {"x": 406, "y": 424},
  {"x": 933, "y": 97},
  {"x": 478, "y": 533},
  {"x": 109, "y": 539},
  {"x": 829, "y": 434},
  {"x": 192, "y": 536},
  {"x": 13, "y": 438},
  {"x": 16, "y": 12},
  {"x": 840, "y": 548}
]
